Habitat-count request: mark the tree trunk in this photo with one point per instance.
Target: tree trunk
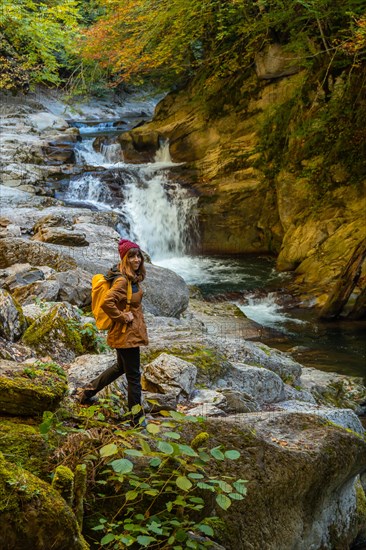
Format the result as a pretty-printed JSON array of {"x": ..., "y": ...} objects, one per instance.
[{"x": 346, "y": 283}]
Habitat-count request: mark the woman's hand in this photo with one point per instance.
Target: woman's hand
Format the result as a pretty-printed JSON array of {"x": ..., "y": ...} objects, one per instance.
[{"x": 128, "y": 316}]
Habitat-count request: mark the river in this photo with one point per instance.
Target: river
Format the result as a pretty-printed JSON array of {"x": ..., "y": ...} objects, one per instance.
[{"x": 161, "y": 216}]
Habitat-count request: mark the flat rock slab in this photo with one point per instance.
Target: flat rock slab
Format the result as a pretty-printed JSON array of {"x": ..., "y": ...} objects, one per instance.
[{"x": 29, "y": 389}]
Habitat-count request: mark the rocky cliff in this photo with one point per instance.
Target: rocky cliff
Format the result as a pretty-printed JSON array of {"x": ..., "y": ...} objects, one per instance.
[{"x": 277, "y": 158}]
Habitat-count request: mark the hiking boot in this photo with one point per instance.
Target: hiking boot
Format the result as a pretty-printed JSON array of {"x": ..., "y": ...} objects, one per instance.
[{"x": 85, "y": 396}]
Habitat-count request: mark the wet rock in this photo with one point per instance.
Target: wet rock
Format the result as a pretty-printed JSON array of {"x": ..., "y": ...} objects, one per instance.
[
  {"x": 139, "y": 146},
  {"x": 12, "y": 320},
  {"x": 61, "y": 153},
  {"x": 33, "y": 515},
  {"x": 29, "y": 388},
  {"x": 56, "y": 333},
  {"x": 264, "y": 386},
  {"x": 169, "y": 374}
]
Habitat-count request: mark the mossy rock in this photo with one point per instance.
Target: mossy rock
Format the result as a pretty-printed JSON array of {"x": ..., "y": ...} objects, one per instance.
[
  {"x": 56, "y": 333},
  {"x": 28, "y": 390},
  {"x": 23, "y": 444},
  {"x": 33, "y": 515}
]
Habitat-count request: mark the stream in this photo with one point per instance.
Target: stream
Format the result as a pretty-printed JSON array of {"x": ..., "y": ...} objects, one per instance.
[{"x": 160, "y": 214}]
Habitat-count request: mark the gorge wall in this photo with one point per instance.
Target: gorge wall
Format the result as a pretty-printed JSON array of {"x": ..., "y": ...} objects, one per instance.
[{"x": 277, "y": 158}]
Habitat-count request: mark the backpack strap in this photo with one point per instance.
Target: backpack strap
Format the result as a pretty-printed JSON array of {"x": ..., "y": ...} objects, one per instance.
[{"x": 128, "y": 302}]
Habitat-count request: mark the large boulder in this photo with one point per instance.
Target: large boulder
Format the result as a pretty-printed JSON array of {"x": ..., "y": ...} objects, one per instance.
[
  {"x": 16, "y": 250},
  {"x": 169, "y": 374},
  {"x": 28, "y": 389},
  {"x": 258, "y": 354},
  {"x": 263, "y": 385},
  {"x": 61, "y": 235},
  {"x": 165, "y": 293},
  {"x": 87, "y": 367},
  {"x": 303, "y": 488},
  {"x": 56, "y": 333},
  {"x": 33, "y": 515},
  {"x": 12, "y": 320}
]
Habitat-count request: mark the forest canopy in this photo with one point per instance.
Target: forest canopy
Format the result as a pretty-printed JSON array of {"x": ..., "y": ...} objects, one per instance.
[{"x": 120, "y": 41}]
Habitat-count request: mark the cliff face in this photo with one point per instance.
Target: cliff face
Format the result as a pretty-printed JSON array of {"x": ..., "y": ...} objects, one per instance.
[{"x": 278, "y": 163}]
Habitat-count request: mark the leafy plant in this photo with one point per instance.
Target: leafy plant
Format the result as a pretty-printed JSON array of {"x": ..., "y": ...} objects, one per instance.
[{"x": 164, "y": 482}]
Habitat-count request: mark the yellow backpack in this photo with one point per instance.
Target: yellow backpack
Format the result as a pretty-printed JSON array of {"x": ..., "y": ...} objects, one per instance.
[{"x": 100, "y": 287}]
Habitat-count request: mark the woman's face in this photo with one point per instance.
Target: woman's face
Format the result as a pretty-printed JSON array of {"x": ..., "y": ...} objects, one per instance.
[{"x": 135, "y": 260}]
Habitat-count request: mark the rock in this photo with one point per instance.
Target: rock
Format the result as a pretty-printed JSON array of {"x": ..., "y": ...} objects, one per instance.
[
  {"x": 298, "y": 395},
  {"x": 205, "y": 410},
  {"x": 139, "y": 146},
  {"x": 60, "y": 235},
  {"x": 275, "y": 62},
  {"x": 61, "y": 153},
  {"x": 13, "y": 250},
  {"x": 14, "y": 351},
  {"x": 342, "y": 417},
  {"x": 157, "y": 402},
  {"x": 24, "y": 445},
  {"x": 32, "y": 311},
  {"x": 75, "y": 287},
  {"x": 258, "y": 354},
  {"x": 169, "y": 374},
  {"x": 56, "y": 333},
  {"x": 336, "y": 390},
  {"x": 15, "y": 198},
  {"x": 87, "y": 367},
  {"x": 300, "y": 470},
  {"x": 29, "y": 389},
  {"x": 12, "y": 320},
  {"x": 165, "y": 293},
  {"x": 33, "y": 515},
  {"x": 263, "y": 385},
  {"x": 41, "y": 290},
  {"x": 208, "y": 396},
  {"x": 47, "y": 121},
  {"x": 237, "y": 402}
]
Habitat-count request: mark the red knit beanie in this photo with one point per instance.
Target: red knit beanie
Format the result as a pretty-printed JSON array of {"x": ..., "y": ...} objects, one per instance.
[{"x": 124, "y": 246}]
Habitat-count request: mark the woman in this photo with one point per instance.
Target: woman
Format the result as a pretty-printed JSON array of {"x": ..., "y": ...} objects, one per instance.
[{"x": 128, "y": 330}]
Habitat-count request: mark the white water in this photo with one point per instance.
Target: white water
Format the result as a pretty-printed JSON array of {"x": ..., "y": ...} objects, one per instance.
[
  {"x": 267, "y": 312},
  {"x": 160, "y": 213}
]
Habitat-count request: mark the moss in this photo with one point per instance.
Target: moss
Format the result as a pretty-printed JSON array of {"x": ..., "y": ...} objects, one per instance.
[
  {"x": 23, "y": 444},
  {"x": 63, "y": 483},
  {"x": 33, "y": 515},
  {"x": 79, "y": 492},
  {"x": 31, "y": 390},
  {"x": 361, "y": 507},
  {"x": 52, "y": 325}
]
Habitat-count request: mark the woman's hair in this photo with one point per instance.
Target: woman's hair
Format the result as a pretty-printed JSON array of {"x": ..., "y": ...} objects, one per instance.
[{"x": 126, "y": 268}]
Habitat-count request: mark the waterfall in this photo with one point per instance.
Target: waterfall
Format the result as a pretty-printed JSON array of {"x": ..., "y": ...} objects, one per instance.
[{"x": 155, "y": 211}]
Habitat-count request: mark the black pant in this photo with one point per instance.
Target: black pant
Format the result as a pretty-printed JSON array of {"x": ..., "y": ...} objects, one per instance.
[{"x": 128, "y": 362}]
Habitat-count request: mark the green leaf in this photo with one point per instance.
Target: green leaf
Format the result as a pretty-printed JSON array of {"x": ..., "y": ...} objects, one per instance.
[
  {"x": 193, "y": 475},
  {"x": 177, "y": 415},
  {"x": 133, "y": 452},
  {"x": 172, "y": 435},
  {"x": 108, "y": 450},
  {"x": 136, "y": 409},
  {"x": 165, "y": 448},
  {"x": 203, "y": 485},
  {"x": 153, "y": 428},
  {"x": 131, "y": 495},
  {"x": 196, "y": 500},
  {"x": 122, "y": 466},
  {"x": 145, "y": 447},
  {"x": 206, "y": 529},
  {"x": 216, "y": 453},
  {"x": 154, "y": 462},
  {"x": 240, "y": 486},
  {"x": 144, "y": 540},
  {"x": 107, "y": 539},
  {"x": 236, "y": 496},
  {"x": 232, "y": 454},
  {"x": 169, "y": 506},
  {"x": 183, "y": 483},
  {"x": 223, "y": 501},
  {"x": 224, "y": 486},
  {"x": 187, "y": 450}
]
